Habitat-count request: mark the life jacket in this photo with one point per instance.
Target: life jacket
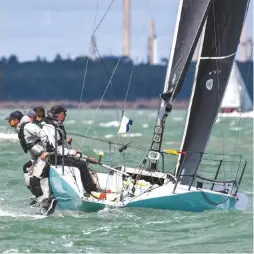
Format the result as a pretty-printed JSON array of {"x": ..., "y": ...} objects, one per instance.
[
  {"x": 26, "y": 147},
  {"x": 60, "y": 129}
]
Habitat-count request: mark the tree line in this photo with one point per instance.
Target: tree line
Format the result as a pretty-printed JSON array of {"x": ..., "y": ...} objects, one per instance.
[{"x": 62, "y": 79}]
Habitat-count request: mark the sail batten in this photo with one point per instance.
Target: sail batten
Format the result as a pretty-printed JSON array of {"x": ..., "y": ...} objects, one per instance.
[
  {"x": 221, "y": 37},
  {"x": 219, "y": 57}
]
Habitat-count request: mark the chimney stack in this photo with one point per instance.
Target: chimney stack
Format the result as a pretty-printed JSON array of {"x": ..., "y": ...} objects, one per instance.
[
  {"x": 152, "y": 44},
  {"x": 126, "y": 49}
]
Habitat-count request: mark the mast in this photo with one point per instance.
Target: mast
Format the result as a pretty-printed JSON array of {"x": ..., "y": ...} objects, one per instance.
[
  {"x": 159, "y": 128},
  {"x": 187, "y": 32}
]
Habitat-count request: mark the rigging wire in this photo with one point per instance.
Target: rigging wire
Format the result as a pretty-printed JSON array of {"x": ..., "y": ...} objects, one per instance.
[
  {"x": 106, "y": 12},
  {"x": 125, "y": 99},
  {"x": 109, "y": 83},
  {"x": 93, "y": 43},
  {"x": 128, "y": 88},
  {"x": 87, "y": 60},
  {"x": 217, "y": 53}
]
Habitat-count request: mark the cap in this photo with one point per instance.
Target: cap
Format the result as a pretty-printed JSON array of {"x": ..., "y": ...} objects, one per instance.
[
  {"x": 31, "y": 114},
  {"x": 14, "y": 115},
  {"x": 57, "y": 109}
]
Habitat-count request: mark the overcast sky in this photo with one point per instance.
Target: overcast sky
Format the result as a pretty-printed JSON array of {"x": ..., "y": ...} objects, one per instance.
[{"x": 46, "y": 27}]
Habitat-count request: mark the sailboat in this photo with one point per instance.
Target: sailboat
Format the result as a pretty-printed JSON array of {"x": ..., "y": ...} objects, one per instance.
[
  {"x": 236, "y": 101},
  {"x": 188, "y": 188}
]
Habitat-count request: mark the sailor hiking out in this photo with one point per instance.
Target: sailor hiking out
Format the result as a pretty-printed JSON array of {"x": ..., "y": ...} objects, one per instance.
[{"x": 34, "y": 140}]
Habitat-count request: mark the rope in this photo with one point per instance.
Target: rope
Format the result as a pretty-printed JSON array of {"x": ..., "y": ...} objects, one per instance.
[
  {"x": 128, "y": 88},
  {"x": 109, "y": 82},
  {"x": 218, "y": 83},
  {"x": 210, "y": 201}
]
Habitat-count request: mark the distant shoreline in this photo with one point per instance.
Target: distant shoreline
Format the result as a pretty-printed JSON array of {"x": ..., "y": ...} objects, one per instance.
[{"x": 138, "y": 104}]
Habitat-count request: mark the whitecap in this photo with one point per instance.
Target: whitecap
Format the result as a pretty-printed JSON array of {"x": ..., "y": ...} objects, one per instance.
[
  {"x": 70, "y": 244},
  {"x": 177, "y": 119},
  {"x": 235, "y": 128},
  {"x": 170, "y": 143},
  {"x": 87, "y": 121},
  {"x": 109, "y": 136},
  {"x": 70, "y": 122},
  {"x": 8, "y": 136},
  {"x": 145, "y": 125},
  {"x": 110, "y": 124},
  {"x": 11, "y": 251},
  {"x": 132, "y": 135},
  {"x": 15, "y": 215}
]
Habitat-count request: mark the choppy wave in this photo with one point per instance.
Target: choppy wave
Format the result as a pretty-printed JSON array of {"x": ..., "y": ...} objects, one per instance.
[
  {"x": 87, "y": 121},
  {"x": 131, "y": 135},
  {"x": 11, "y": 251},
  {"x": 170, "y": 142},
  {"x": 111, "y": 230},
  {"x": 109, "y": 136},
  {"x": 70, "y": 122},
  {"x": 8, "y": 136},
  {"x": 235, "y": 128},
  {"x": 177, "y": 119},
  {"x": 25, "y": 215},
  {"x": 109, "y": 124}
]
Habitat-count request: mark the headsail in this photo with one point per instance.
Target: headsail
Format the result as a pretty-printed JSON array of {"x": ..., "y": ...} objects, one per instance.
[
  {"x": 221, "y": 38},
  {"x": 190, "y": 19}
]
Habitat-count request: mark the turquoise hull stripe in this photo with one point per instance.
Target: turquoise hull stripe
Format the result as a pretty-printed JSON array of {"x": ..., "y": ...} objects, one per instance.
[{"x": 191, "y": 201}]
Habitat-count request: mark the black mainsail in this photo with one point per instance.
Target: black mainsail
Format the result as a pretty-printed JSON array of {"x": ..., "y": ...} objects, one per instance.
[
  {"x": 220, "y": 40},
  {"x": 190, "y": 20}
]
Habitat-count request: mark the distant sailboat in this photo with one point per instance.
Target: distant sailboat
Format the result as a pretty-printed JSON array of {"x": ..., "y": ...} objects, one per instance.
[{"x": 236, "y": 101}]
